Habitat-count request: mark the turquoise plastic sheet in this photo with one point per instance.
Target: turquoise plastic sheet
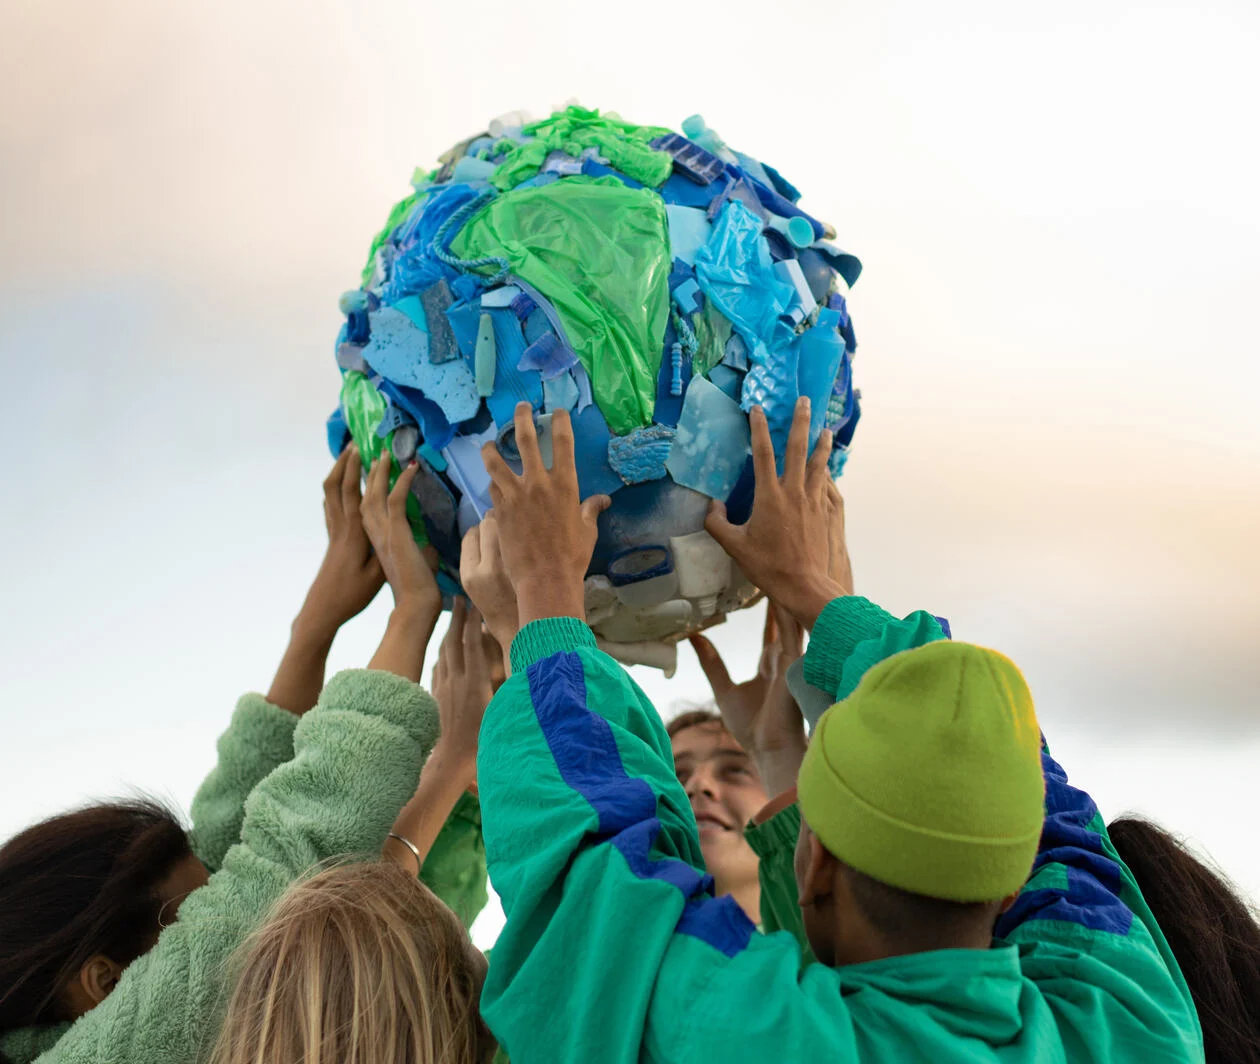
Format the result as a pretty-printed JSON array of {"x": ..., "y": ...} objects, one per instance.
[{"x": 600, "y": 252}]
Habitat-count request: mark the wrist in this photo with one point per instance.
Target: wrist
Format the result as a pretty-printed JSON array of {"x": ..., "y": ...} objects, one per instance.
[
  {"x": 453, "y": 761},
  {"x": 809, "y": 600},
  {"x": 538, "y": 598},
  {"x": 779, "y": 768}
]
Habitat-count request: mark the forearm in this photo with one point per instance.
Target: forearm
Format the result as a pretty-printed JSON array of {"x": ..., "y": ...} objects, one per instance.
[
  {"x": 300, "y": 677},
  {"x": 442, "y": 782},
  {"x": 779, "y": 766},
  {"x": 406, "y": 639}
]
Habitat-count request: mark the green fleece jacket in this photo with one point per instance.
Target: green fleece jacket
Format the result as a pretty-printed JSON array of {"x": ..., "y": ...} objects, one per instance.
[
  {"x": 287, "y": 793},
  {"x": 615, "y": 949}
]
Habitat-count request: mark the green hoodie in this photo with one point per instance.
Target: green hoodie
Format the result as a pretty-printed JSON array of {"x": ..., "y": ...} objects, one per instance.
[
  {"x": 615, "y": 950},
  {"x": 327, "y": 784}
]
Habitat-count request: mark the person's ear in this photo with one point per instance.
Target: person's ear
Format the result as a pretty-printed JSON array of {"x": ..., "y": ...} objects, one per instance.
[
  {"x": 819, "y": 876},
  {"x": 98, "y": 976},
  {"x": 1010, "y": 900}
]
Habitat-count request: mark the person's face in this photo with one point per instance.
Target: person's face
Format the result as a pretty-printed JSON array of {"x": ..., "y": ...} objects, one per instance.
[{"x": 726, "y": 792}]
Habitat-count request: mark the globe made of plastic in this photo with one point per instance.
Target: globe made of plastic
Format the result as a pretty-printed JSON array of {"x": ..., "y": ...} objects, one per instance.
[{"x": 656, "y": 285}]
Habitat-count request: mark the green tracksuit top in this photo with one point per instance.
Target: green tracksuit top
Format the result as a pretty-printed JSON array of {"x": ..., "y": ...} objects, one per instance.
[
  {"x": 615, "y": 950},
  {"x": 326, "y": 784}
]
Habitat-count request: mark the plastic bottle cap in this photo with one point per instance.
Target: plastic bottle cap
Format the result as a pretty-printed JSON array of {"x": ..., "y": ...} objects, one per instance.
[
  {"x": 693, "y": 126},
  {"x": 800, "y": 232}
]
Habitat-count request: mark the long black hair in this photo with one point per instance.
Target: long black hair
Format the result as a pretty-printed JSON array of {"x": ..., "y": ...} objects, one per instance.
[
  {"x": 1212, "y": 931},
  {"x": 75, "y": 885}
]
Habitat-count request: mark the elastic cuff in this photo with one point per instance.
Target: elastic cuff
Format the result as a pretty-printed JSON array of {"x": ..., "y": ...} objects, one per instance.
[
  {"x": 842, "y": 625},
  {"x": 268, "y": 728},
  {"x": 778, "y": 834},
  {"x": 551, "y": 635}
]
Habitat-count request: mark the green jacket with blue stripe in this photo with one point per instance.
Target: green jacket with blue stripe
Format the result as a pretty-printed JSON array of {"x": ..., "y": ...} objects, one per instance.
[{"x": 615, "y": 949}]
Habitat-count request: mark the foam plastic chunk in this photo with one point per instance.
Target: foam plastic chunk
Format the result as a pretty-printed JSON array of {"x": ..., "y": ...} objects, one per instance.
[
  {"x": 712, "y": 441},
  {"x": 400, "y": 352},
  {"x": 641, "y": 455}
]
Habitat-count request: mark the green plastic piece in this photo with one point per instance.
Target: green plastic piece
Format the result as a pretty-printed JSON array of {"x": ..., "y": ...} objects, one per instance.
[
  {"x": 363, "y": 407},
  {"x": 485, "y": 355},
  {"x": 600, "y": 252},
  {"x": 575, "y": 129},
  {"x": 397, "y": 213},
  {"x": 713, "y": 329}
]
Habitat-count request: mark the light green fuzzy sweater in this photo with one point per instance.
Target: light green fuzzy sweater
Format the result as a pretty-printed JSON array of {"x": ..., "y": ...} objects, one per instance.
[{"x": 285, "y": 795}]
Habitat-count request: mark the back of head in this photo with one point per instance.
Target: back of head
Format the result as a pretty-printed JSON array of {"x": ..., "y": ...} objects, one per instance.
[
  {"x": 76, "y": 885},
  {"x": 360, "y": 964},
  {"x": 925, "y": 785},
  {"x": 1212, "y": 932}
]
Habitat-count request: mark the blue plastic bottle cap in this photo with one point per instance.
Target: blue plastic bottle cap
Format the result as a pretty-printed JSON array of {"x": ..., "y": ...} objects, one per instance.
[
  {"x": 800, "y": 232},
  {"x": 693, "y": 126}
]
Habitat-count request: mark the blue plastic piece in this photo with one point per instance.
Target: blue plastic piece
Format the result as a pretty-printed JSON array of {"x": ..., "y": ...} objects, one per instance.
[
  {"x": 820, "y": 351},
  {"x": 497, "y": 298},
  {"x": 394, "y": 417},
  {"x": 774, "y": 203},
  {"x": 435, "y": 301},
  {"x": 753, "y": 168},
  {"x": 434, "y": 426},
  {"x": 469, "y": 169},
  {"x": 668, "y": 407},
  {"x": 640, "y": 456},
  {"x": 689, "y": 230},
  {"x": 687, "y": 296},
  {"x": 636, "y": 564},
  {"x": 781, "y": 184},
  {"x": 523, "y": 306},
  {"x": 742, "y": 192},
  {"x": 438, "y": 507},
  {"x": 467, "y": 287},
  {"x": 416, "y": 267},
  {"x": 337, "y": 432},
  {"x": 735, "y": 272},
  {"x": 547, "y": 356},
  {"x": 399, "y": 352},
  {"x": 690, "y": 159},
  {"x": 511, "y": 385},
  {"x": 358, "y": 327},
  {"x": 712, "y": 442},
  {"x": 431, "y": 456},
  {"x": 414, "y": 309},
  {"x": 683, "y": 192},
  {"x": 560, "y": 392},
  {"x": 583, "y": 381},
  {"x": 593, "y": 169},
  {"x": 798, "y": 231},
  {"x": 561, "y": 163},
  {"x": 350, "y": 356},
  {"x": 590, "y": 445},
  {"x": 818, "y": 274},
  {"x": 675, "y": 363},
  {"x": 729, "y": 380},
  {"x": 486, "y": 356},
  {"x": 789, "y": 272},
  {"x": 735, "y": 353},
  {"x": 739, "y": 503},
  {"x": 847, "y": 266}
]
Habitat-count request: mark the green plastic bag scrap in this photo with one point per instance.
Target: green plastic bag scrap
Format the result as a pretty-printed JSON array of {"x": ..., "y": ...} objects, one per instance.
[
  {"x": 575, "y": 129},
  {"x": 713, "y": 329},
  {"x": 363, "y": 406},
  {"x": 396, "y": 214},
  {"x": 600, "y": 252}
]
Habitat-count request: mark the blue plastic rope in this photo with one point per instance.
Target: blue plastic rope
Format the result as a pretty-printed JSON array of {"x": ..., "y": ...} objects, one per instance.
[{"x": 454, "y": 222}]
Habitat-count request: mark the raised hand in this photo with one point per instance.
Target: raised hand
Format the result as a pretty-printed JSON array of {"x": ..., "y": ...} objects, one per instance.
[
  {"x": 485, "y": 578},
  {"x": 785, "y": 547},
  {"x": 546, "y": 533},
  {"x": 463, "y": 684}
]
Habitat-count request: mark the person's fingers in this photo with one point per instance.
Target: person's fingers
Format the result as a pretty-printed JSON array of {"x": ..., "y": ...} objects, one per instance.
[
  {"x": 459, "y": 619},
  {"x": 817, "y": 476},
  {"x": 378, "y": 481},
  {"x": 350, "y": 493},
  {"x": 729, "y": 536},
  {"x": 489, "y": 548},
  {"x": 500, "y": 475},
  {"x": 527, "y": 441},
  {"x": 562, "y": 462},
  {"x": 714, "y": 667},
  {"x": 769, "y": 632},
  {"x": 332, "y": 483},
  {"x": 764, "y": 472},
  {"x": 797, "y": 447},
  {"x": 594, "y": 506},
  {"x": 402, "y": 487},
  {"x": 474, "y": 648},
  {"x": 470, "y": 553}
]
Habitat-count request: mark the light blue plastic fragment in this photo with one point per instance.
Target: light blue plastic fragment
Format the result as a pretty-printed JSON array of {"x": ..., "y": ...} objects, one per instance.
[
  {"x": 547, "y": 356},
  {"x": 432, "y": 457},
  {"x": 819, "y": 351},
  {"x": 641, "y": 455},
  {"x": 467, "y": 469},
  {"x": 560, "y": 392},
  {"x": 558, "y": 162},
  {"x": 729, "y": 380},
  {"x": 711, "y": 443},
  {"x": 735, "y": 271},
  {"x": 394, "y": 417},
  {"x": 685, "y": 296},
  {"x": 736, "y": 353},
  {"x": 499, "y": 297},
  {"x": 470, "y": 169},
  {"x": 487, "y": 355},
  {"x": 689, "y": 231},
  {"x": 584, "y": 387},
  {"x": 789, "y": 272},
  {"x": 414, "y": 309},
  {"x": 399, "y": 352}
]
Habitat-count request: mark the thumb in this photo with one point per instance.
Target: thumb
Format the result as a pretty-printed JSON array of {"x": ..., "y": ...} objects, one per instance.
[
  {"x": 594, "y": 506},
  {"x": 712, "y": 664},
  {"x": 717, "y": 525}
]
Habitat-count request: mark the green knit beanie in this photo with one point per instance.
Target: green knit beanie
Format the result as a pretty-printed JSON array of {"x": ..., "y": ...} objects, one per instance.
[{"x": 928, "y": 777}]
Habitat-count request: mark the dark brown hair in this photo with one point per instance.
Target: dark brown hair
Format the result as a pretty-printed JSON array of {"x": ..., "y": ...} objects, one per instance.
[
  {"x": 1212, "y": 932},
  {"x": 692, "y": 718},
  {"x": 76, "y": 885}
]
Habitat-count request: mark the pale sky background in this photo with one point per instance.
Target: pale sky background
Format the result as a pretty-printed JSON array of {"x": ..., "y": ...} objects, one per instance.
[{"x": 1057, "y": 213}]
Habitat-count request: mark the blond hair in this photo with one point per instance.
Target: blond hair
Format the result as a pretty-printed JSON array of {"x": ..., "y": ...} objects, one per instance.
[{"x": 361, "y": 964}]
